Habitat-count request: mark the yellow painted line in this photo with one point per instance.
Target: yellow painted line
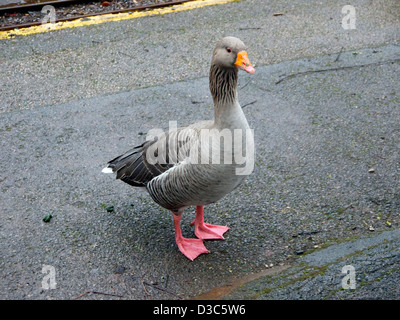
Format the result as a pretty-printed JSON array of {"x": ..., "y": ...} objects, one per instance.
[{"x": 109, "y": 17}]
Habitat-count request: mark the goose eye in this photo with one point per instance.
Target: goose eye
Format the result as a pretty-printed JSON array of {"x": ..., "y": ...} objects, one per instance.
[{"x": 229, "y": 50}]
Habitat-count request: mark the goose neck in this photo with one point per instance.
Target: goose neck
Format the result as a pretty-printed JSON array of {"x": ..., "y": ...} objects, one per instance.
[{"x": 223, "y": 86}]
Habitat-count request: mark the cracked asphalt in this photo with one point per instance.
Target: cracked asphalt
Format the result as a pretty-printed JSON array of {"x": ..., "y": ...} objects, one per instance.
[{"x": 325, "y": 192}]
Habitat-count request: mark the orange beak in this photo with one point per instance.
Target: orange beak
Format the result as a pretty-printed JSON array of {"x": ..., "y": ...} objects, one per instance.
[{"x": 243, "y": 62}]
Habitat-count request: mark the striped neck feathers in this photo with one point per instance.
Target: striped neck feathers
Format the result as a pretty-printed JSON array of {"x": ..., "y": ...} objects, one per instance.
[{"x": 223, "y": 85}]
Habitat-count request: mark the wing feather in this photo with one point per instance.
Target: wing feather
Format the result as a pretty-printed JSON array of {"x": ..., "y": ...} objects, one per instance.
[{"x": 141, "y": 164}]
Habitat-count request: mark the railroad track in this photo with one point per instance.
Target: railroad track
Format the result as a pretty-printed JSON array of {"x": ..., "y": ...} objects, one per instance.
[{"x": 13, "y": 15}]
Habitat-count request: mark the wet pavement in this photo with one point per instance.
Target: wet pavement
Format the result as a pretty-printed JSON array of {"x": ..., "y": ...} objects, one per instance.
[
  {"x": 325, "y": 192},
  {"x": 367, "y": 268}
]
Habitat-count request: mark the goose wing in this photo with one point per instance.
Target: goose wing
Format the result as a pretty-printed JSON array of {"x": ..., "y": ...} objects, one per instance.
[{"x": 141, "y": 164}]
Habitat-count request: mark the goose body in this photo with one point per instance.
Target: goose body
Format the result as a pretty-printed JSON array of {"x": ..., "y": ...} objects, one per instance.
[{"x": 199, "y": 164}]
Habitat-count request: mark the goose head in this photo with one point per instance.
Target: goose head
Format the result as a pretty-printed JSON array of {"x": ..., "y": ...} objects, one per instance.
[{"x": 230, "y": 53}]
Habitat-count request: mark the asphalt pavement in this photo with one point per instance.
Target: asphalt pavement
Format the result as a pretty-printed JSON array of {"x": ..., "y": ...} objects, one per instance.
[{"x": 325, "y": 192}]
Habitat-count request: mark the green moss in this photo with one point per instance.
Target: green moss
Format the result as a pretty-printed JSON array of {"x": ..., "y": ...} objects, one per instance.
[{"x": 287, "y": 279}]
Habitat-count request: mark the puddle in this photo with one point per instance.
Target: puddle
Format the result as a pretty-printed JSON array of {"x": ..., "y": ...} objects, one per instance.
[{"x": 218, "y": 292}]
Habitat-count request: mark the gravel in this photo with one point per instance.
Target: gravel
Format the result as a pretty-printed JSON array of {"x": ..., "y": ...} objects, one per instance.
[
  {"x": 72, "y": 99},
  {"x": 74, "y": 10},
  {"x": 375, "y": 262},
  {"x": 310, "y": 187}
]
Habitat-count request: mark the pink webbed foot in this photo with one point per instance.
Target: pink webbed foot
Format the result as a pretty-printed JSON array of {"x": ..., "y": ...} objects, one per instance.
[
  {"x": 207, "y": 231},
  {"x": 210, "y": 231},
  {"x": 191, "y": 248}
]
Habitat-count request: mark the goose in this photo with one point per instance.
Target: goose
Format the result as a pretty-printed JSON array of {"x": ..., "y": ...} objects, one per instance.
[{"x": 182, "y": 167}]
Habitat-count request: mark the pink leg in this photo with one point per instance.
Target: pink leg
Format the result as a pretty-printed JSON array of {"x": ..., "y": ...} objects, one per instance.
[
  {"x": 191, "y": 248},
  {"x": 206, "y": 231}
]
